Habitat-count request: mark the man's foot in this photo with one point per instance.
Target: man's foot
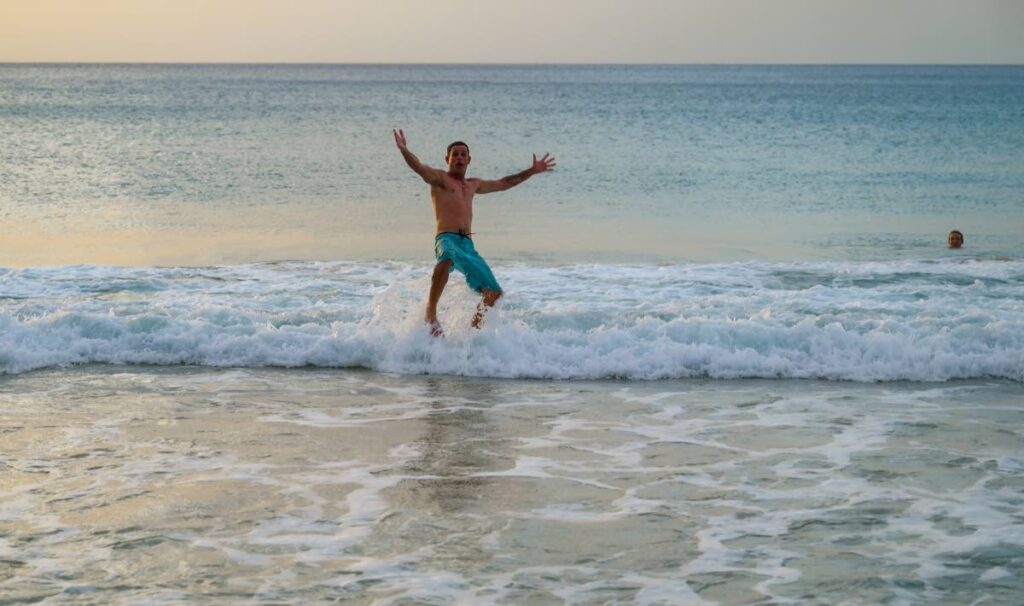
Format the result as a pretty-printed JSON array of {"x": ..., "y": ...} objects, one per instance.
[
  {"x": 490, "y": 298},
  {"x": 435, "y": 329}
]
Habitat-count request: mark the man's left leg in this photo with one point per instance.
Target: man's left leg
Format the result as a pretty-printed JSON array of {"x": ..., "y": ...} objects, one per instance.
[{"x": 490, "y": 298}]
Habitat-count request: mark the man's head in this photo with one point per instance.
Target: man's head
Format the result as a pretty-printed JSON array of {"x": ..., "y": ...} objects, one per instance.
[
  {"x": 955, "y": 239},
  {"x": 457, "y": 158}
]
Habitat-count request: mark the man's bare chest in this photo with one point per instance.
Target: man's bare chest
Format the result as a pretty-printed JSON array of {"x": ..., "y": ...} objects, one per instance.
[{"x": 454, "y": 194}]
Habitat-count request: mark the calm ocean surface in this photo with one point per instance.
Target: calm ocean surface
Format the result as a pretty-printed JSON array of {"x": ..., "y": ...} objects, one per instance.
[
  {"x": 214, "y": 164},
  {"x": 735, "y": 361}
]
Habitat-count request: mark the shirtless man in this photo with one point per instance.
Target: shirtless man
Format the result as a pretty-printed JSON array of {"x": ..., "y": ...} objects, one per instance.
[{"x": 452, "y": 195}]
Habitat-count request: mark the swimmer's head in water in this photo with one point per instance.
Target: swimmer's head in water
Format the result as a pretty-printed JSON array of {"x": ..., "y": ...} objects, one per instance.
[
  {"x": 457, "y": 157},
  {"x": 955, "y": 239}
]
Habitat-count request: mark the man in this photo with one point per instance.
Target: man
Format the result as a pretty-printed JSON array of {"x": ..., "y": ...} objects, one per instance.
[{"x": 452, "y": 194}]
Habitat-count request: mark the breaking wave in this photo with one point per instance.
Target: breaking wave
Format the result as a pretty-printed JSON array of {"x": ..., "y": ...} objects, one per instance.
[{"x": 888, "y": 321}]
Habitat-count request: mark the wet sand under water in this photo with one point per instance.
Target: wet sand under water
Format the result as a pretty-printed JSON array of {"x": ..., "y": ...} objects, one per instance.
[{"x": 195, "y": 485}]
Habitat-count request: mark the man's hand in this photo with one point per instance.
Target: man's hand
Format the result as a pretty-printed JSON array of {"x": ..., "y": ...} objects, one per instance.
[
  {"x": 543, "y": 165},
  {"x": 428, "y": 174},
  {"x": 400, "y": 140}
]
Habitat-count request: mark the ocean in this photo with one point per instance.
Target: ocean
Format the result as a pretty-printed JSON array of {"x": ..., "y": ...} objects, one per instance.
[{"x": 735, "y": 362}]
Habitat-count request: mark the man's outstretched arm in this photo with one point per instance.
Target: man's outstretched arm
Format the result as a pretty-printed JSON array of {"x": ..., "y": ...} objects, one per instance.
[
  {"x": 431, "y": 175},
  {"x": 539, "y": 166}
]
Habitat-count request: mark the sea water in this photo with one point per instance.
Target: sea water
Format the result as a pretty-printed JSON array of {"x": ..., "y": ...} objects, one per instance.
[
  {"x": 189, "y": 485},
  {"x": 210, "y": 165},
  {"x": 734, "y": 361},
  {"x": 926, "y": 320}
]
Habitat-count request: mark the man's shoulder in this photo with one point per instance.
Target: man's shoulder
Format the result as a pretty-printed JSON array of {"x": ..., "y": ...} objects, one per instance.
[{"x": 442, "y": 179}]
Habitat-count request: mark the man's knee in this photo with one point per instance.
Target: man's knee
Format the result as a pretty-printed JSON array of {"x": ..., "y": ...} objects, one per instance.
[{"x": 442, "y": 269}]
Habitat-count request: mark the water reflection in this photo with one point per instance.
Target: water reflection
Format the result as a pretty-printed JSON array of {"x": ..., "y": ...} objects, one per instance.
[{"x": 461, "y": 441}]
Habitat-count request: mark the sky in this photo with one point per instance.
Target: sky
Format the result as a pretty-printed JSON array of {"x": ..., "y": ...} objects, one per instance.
[{"x": 517, "y": 31}]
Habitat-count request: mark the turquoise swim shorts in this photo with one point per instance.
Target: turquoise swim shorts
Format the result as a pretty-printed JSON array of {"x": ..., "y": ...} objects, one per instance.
[{"x": 460, "y": 250}]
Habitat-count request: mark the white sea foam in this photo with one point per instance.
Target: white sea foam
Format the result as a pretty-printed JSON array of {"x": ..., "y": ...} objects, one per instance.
[
  {"x": 717, "y": 491},
  {"x": 907, "y": 320}
]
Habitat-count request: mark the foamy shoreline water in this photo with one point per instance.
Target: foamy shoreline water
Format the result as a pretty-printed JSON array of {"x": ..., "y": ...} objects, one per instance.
[
  {"x": 195, "y": 485},
  {"x": 927, "y": 320}
]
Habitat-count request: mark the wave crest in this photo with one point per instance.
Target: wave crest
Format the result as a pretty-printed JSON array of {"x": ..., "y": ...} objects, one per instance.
[{"x": 866, "y": 322}]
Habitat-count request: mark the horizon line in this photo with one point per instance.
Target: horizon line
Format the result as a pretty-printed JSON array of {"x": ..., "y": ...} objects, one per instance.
[{"x": 527, "y": 64}]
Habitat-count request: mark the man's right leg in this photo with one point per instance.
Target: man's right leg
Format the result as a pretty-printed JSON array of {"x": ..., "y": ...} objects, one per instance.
[
  {"x": 437, "y": 283},
  {"x": 490, "y": 298}
]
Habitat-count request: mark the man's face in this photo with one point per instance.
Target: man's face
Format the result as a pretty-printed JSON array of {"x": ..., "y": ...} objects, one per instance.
[
  {"x": 956, "y": 240},
  {"x": 458, "y": 159}
]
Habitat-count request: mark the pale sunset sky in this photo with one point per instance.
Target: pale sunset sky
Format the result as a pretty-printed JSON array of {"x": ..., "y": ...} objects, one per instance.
[{"x": 513, "y": 31}]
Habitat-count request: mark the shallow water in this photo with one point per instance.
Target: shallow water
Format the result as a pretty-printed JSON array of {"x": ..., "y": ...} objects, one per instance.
[{"x": 195, "y": 485}]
